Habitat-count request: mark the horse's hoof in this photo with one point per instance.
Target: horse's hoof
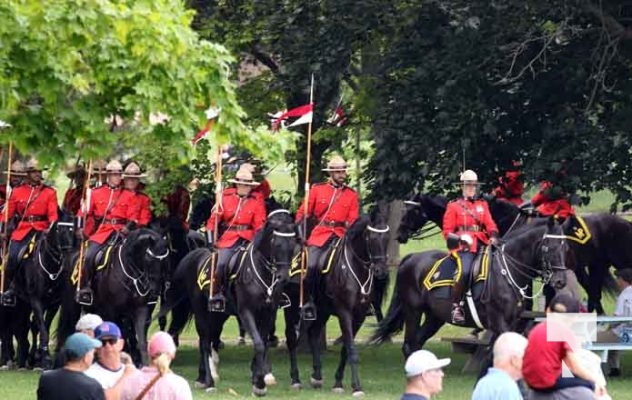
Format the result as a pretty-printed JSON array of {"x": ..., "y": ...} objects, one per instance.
[
  {"x": 38, "y": 369},
  {"x": 241, "y": 341},
  {"x": 211, "y": 389},
  {"x": 337, "y": 390},
  {"x": 296, "y": 386},
  {"x": 199, "y": 385},
  {"x": 269, "y": 379},
  {"x": 259, "y": 392},
  {"x": 316, "y": 383},
  {"x": 358, "y": 393},
  {"x": 5, "y": 367}
]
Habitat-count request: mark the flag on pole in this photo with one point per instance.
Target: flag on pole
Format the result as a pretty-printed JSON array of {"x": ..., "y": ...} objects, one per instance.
[
  {"x": 304, "y": 113},
  {"x": 338, "y": 117},
  {"x": 211, "y": 116}
]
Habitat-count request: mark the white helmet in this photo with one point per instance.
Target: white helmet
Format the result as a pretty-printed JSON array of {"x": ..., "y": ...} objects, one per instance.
[{"x": 469, "y": 176}]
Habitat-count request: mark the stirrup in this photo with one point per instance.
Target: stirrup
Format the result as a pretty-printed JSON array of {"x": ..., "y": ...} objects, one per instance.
[
  {"x": 308, "y": 311},
  {"x": 8, "y": 299},
  {"x": 84, "y": 297},
  {"x": 458, "y": 317},
  {"x": 217, "y": 303}
]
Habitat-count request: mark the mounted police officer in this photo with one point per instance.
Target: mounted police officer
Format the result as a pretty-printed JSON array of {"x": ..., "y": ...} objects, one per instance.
[
  {"x": 72, "y": 198},
  {"x": 511, "y": 185},
  {"x": 131, "y": 181},
  {"x": 17, "y": 178},
  {"x": 467, "y": 225},
  {"x": 115, "y": 212},
  {"x": 335, "y": 207},
  {"x": 36, "y": 206},
  {"x": 240, "y": 215}
]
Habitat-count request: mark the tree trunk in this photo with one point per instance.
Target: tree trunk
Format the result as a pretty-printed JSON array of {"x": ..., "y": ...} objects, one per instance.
[{"x": 394, "y": 217}]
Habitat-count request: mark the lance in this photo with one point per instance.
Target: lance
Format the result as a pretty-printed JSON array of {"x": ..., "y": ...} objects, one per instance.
[
  {"x": 85, "y": 205},
  {"x": 5, "y": 220},
  {"x": 216, "y": 207},
  {"x": 306, "y": 199}
]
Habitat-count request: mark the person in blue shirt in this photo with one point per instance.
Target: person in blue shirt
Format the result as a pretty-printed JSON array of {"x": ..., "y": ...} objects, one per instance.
[
  {"x": 424, "y": 375},
  {"x": 500, "y": 382}
]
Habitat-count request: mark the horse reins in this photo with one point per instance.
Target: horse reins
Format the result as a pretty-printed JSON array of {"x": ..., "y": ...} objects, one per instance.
[
  {"x": 369, "y": 280},
  {"x": 135, "y": 281}
]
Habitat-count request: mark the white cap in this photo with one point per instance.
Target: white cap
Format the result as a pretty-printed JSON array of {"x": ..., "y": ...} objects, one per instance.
[
  {"x": 422, "y": 361},
  {"x": 88, "y": 322}
]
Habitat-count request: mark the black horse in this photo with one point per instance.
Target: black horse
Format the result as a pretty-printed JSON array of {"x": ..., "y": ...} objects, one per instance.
[
  {"x": 38, "y": 283},
  {"x": 531, "y": 253},
  {"x": 259, "y": 274},
  {"x": 124, "y": 288},
  {"x": 345, "y": 291},
  {"x": 14, "y": 322}
]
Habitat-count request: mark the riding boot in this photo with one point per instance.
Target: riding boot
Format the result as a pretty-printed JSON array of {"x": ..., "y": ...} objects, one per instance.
[
  {"x": 458, "y": 316},
  {"x": 8, "y": 296},
  {"x": 217, "y": 303},
  {"x": 85, "y": 295},
  {"x": 308, "y": 311}
]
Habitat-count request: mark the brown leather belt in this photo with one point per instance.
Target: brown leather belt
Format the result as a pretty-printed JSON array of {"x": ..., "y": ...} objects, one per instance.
[
  {"x": 470, "y": 228},
  {"x": 36, "y": 218},
  {"x": 115, "y": 221},
  {"x": 238, "y": 227},
  {"x": 333, "y": 224}
]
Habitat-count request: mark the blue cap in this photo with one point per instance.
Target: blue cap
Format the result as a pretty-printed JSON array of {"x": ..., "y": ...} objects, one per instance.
[
  {"x": 78, "y": 344},
  {"x": 107, "y": 330}
]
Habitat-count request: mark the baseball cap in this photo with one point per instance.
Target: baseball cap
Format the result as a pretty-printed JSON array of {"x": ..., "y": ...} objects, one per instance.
[
  {"x": 88, "y": 322},
  {"x": 422, "y": 361},
  {"x": 78, "y": 344},
  {"x": 564, "y": 303},
  {"x": 161, "y": 343},
  {"x": 107, "y": 330}
]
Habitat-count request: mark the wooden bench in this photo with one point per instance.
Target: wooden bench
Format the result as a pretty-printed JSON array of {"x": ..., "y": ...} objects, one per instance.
[{"x": 476, "y": 347}]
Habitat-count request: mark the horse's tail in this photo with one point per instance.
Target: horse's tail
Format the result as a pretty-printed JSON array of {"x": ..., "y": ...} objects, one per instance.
[{"x": 393, "y": 321}]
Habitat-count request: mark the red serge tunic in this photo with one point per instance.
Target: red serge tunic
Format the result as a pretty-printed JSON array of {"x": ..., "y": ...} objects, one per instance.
[
  {"x": 471, "y": 217},
  {"x": 178, "y": 203},
  {"x": 549, "y": 204},
  {"x": 72, "y": 201},
  {"x": 36, "y": 207},
  {"x": 112, "y": 209},
  {"x": 335, "y": 208},
  {"x": 242, "y": 216},
  {"x": 143, "y": 203}
]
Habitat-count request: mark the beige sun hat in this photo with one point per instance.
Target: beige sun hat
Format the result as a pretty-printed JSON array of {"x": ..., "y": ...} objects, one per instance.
[
  {"x": 243, "y": 177},
  {"x": 469, "y": 177},
  {"x": 114, "y": 167},
  {"x": 133, "y": 171},
  {"x": 98, "y": 166},
  {"x": 336, "y": 163},
  {"x": 33, "y": 165},
  {"x": 17, "y": 169},
  {"x": 79, "y": 169}
]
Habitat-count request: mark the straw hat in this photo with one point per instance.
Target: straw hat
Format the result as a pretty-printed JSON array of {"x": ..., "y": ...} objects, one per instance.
[
  {"x": 98, "y": 166},
  {"x": 17, "y": 169},
  {"x": 114, "y": 167},
  {"x": 244, "y": 177},
  {"x": 336, "y": 163},
  {"x": 33, "y": 165},
  {"x": 133, "y": 171},
  {"x": 469, "y": 177}
]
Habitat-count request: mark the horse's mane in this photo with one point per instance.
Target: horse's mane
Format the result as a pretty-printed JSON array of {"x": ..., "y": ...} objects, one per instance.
[
  {"x": 276, "y": 218},
  {"x": 436, "y": 200},
  {"x": 358, "y": 226}
]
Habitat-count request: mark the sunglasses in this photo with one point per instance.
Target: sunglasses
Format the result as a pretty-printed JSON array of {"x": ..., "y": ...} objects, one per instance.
[{"x": 110, "y": 341}]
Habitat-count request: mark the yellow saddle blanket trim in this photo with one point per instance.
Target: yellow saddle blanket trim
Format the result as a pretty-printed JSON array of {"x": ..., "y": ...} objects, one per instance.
[
  {"x": 429, "y": 284},
  {"x": 101, "y": 266},
  {"x": 581, "y": 234},
  {"x": 203, "y": 279},
  {"x": 295, "y": 268},
  {"x": 30, "y": 248}
]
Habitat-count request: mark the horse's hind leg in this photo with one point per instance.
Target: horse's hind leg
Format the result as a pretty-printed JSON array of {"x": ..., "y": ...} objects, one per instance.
[
  {"x": 430, "y": 326},
  {"x": 291, "y": 337}
]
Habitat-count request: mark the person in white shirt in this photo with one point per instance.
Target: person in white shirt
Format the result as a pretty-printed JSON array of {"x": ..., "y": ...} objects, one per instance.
[
  {"x": 623, "y": 309},
  {"x": 108, "y": 369}
]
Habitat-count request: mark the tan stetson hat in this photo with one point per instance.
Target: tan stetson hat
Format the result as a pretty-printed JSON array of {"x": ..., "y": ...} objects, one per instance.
[
  {"x": 133, "y": 171},
  {"x": 98, "y": 166},
  {"x": 114, "y": 167},
  {"x": 336, "y": 163},
  {"x": 243, "y": 177},
  {"x": 75, "y": 170},
  {"x": 17, "y": 169},
  {"x": 469, "y": 177},
  {"x": 33, "y": 165}
]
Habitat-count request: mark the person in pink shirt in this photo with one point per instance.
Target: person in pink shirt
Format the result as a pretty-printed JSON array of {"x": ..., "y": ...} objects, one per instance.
[{"x": 157, "y": 381}]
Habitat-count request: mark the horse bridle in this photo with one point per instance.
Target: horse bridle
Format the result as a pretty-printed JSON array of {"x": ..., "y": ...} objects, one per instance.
[
  {"x": 365, "y": 288},
  {"x": 421, "y": 233}
]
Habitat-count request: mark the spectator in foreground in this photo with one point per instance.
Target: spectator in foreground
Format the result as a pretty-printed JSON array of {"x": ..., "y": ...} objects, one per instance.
[
  {"x": 86, "y": 324},
  {"x": 500, "y": 381},
  {"x": 542, "y": 362},
  {"x": 424, "y": 375},
  {"x": 623, "y": 309},
  {"x": 157, "y": 381},
  {"x": 70, "y": 382},
  {"x": 108, "y": 369}
]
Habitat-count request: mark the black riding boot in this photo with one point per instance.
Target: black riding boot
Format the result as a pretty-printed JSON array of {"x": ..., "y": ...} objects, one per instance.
[
  {"x": 8, "y": 296},
  {"x": 308, "y": 311},
  {"x": 217, "y": 303},
  {"x": 458, "y": 316},
  {"x": 85, "y": 295}
]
